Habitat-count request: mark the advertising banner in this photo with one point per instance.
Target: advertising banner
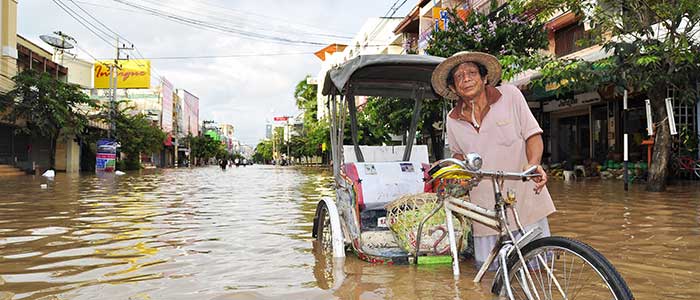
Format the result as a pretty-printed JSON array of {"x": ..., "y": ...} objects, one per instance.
[
  {"x": 106, "y": 155},
  {"x": 166, "y": 92},
  {"x": 191, "y": 113},
  {"x": 132, "y": 74}
]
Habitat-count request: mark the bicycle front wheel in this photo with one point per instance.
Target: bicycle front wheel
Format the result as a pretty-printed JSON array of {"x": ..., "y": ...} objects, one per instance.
[{"x": 562, "y": 268}]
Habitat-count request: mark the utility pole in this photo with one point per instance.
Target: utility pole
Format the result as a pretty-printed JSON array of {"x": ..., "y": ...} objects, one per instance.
[
  {"x": 625, "y": 137},
  {"x": 289, "y": 137},
  {"x": 113, "y": 80},
  {"x": 64, "y": 37}
]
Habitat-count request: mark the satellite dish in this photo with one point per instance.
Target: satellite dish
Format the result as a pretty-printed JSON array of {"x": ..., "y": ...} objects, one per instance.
[{"x": 56, "y": 42}]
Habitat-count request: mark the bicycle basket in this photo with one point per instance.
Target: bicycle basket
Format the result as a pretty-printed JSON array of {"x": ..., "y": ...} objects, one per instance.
[{"x": 405, "y": 214}]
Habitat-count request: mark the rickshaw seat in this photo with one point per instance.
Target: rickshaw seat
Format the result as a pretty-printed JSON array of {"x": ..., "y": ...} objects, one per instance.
[{"x": 378, "y": 183}]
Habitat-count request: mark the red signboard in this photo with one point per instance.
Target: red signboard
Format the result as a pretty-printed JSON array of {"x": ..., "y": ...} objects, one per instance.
[{"x": 281, "y": 118}]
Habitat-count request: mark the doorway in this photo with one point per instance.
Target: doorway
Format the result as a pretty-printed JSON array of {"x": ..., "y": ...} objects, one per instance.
[{"x": 574, "y": 138}]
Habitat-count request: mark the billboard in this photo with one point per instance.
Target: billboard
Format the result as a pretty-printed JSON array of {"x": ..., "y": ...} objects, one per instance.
[
  {"x": 106, "y": 158},
  {"x": 132, "y": 74},
  {"x": 190, "y": 113},
  {"x": 166, "y": 92}
]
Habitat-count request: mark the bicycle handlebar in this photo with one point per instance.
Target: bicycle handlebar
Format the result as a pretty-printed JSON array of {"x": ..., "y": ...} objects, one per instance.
[{"x": 525, "y": 175}]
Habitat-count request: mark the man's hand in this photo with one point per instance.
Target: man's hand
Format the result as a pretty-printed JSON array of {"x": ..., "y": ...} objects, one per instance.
[{"x": 541, "y": 180}]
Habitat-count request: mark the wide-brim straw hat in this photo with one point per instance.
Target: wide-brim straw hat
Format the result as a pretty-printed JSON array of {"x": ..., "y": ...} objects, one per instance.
[{"x": 442, "y": 71}]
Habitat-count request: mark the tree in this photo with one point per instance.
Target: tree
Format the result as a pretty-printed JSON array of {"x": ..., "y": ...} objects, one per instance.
[
  {"x": 136, "y": 134},
  {"x": 50, "y": 108},
  {"x": 204, "y": 147},
  {"x": 654, "y": 46},
  {"x": 263, "y": 152},
  {"x": 305, "y": 95},
  {"x": 505, "y": 32}
]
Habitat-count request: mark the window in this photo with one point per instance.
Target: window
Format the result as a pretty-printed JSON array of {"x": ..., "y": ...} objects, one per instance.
[{"x": 566, "y": 39}]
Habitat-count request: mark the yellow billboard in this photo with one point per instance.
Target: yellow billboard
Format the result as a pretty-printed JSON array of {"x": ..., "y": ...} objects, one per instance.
[{"x": 131, "y": 74}]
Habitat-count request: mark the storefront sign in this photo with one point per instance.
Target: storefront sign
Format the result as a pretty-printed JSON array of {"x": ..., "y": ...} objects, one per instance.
[
  {"x": 131, "y": 74},
  {"x": 577, "y": 101},
  {"x": 106, "y": 159},
  {"x": 281, "y": 118},
  {"x": 166, "y": 91}
]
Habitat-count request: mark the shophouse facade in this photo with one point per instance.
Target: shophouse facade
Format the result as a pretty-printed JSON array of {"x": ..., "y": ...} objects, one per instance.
[{"x": 579, "y": 127}]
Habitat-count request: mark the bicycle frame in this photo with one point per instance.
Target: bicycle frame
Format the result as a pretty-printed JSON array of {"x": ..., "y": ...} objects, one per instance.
[{"x": 496, "y": 219}]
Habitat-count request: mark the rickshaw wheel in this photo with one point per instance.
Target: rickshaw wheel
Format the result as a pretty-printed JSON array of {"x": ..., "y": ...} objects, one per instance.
[{"x": 324, "y": 235}]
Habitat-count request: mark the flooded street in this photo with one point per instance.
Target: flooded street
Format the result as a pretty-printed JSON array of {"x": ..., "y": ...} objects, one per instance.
[{"x": 245, "y": 233}]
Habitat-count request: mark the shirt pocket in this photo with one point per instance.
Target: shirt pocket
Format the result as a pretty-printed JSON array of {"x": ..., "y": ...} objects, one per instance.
[{"x": 506, "y": 133}]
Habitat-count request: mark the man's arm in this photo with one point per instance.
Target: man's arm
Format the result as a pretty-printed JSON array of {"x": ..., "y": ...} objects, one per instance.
[{"x": 533, "y": 150}]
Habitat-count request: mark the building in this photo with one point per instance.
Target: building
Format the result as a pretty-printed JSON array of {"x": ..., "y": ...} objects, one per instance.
[
  {"x": 227, "y": 133},
  {"x": 375, "y": 37},
  {"x": 186, "y": 122},
  {"x": 577, "y": 127},
  {"x": 27, "y": 152},
  {"x": 417, "y": 26},
  {"x": 8, "y": 44}
]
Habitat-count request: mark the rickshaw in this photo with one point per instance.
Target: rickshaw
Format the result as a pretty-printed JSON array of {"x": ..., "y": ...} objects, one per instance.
[{"x": 393, "y": 207}]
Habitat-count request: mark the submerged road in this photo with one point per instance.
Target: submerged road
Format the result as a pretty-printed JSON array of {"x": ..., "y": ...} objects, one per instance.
[{"x": 244, "y": 233}]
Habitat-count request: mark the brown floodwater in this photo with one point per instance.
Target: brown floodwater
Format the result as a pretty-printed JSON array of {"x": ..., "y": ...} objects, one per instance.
[{"x": 244, "y": 233}]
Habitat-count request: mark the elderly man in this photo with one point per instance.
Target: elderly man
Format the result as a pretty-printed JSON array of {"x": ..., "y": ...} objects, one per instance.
[{"x": 497, "y": 123}]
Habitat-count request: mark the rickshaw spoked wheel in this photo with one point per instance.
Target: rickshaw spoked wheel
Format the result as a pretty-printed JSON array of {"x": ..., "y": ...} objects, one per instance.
[{"x": 324, "y": 234}]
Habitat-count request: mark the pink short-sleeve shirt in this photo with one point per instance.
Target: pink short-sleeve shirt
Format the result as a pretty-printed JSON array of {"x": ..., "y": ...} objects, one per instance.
[{"x": 501, "y": 143}]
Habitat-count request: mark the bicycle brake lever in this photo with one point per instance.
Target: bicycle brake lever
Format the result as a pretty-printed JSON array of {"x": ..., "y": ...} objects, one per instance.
[{"x": 527, "y": 174}]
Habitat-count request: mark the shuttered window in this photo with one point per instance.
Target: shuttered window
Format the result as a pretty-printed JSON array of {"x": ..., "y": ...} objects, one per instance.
[{"x": 565, "y": 39}]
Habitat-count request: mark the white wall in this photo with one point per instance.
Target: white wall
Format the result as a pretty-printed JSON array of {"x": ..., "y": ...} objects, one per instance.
[{"x": 375, "y": 37}]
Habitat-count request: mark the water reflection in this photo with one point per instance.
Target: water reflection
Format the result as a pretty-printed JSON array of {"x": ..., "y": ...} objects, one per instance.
[{"x": 246, "y": 233}]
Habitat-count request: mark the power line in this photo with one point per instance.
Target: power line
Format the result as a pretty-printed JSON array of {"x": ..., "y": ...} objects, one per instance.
[
  {"x": 228, "y": 56},
  {"x": 112, "y": 31},
  {"x": 397, "y": 8},
  {"x": 67, "y": 11},
  {"x": 224, "y": 29},
  {"x": 100, "y": 22},
  {"x": 286, "y": 21},
  {"x": 262, "y": 26}
]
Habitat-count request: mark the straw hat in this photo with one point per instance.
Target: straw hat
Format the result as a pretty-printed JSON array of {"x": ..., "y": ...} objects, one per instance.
[{"x": 442, "y": 71}]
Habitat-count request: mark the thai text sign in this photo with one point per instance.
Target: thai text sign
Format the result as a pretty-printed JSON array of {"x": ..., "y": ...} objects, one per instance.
[
  {"x": 131, "y": 74},
  {"x": 577, "y": 101},
  {"x": 106, "y": 159},
  {"x": 281, "y": 118}
]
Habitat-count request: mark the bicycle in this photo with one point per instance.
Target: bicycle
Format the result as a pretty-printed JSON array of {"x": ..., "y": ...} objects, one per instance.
[
  {"x": 529, "y": 267},
  {"x": 687, "y": 163}
]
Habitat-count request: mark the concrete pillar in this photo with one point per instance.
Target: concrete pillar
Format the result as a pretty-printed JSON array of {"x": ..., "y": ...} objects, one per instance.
[
  {"x": 8, "y": 43},
  {"x": 72, "y": 157}
]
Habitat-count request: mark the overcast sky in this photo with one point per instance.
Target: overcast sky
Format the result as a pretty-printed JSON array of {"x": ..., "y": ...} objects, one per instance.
[{"x": 245, "y": 91}]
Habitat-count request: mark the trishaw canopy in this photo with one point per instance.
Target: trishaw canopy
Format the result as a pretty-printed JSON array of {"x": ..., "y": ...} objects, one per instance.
[{"x": 385, "y": 75}]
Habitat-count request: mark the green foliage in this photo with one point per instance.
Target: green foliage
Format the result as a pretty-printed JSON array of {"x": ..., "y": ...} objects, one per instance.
[
  {"x": 371, "y": 129},
  {"x": 135, "y": 133},
  {"x": 305, "y": 95},
  {"x": 653, "y": 44},
  {"x": 505, "y": 33},
  {"x": 49, "y": 106},
  {"x": 204, "y": 147},
  {"x": 393, "y": 115},
  {"x": 263, "y": 152}
]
